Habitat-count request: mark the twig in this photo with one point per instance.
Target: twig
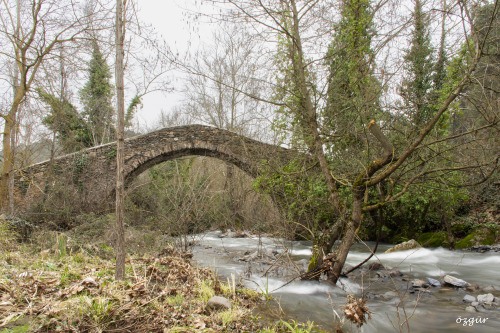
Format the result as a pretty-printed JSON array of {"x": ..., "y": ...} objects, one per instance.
[{"x": 281, "y": 255}]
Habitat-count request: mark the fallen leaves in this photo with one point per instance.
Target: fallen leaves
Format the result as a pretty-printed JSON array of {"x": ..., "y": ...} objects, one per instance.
[
  {"x": 82, "y": 295},
  {"x": 356, "y": 310}
]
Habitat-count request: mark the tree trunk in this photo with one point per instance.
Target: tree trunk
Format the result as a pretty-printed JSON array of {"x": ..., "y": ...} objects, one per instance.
[
  {"x": 236, "y": 218},
  {"x": 120, "y": 181},
  {"x": 350, "y": 233},
  {"x": 7, "y": 148}
]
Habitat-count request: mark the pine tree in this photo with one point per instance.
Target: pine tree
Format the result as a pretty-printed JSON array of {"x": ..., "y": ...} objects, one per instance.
[
  {"x": 96, "y": 98},
  {"x": 417, "y": 86}
]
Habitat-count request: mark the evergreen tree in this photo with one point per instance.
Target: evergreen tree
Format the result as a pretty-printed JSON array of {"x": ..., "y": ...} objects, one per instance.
[
  {"x": 417, "y": 86},
  {"x": 96, "y": 98},
  {"x": 72, "y": 131},
  {"x": 353, "y": 90}
]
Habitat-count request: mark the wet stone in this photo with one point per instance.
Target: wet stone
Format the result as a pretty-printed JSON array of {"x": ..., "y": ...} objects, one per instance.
[
  {"x": 395, "y": 273},
  {"x": 469, "y": 299},
  {"x": 455, "y": 281},
  {"x": 471, "y": 309},
  {"x": 390, "y": 294},
  {"x": 486, "y": 298},
  {"x": 433, "y": 282},
  {"x": 489, "y": 289},
  {"x": 472, "y": 287},
  {"x": 418, "y": 283}
]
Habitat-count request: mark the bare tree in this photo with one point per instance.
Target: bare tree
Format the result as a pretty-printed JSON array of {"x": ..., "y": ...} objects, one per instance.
[
  {"x": 356, "y": 145},
  {"x": 215, "y": 88},
  {"x": 28, "y": 39},
  {"x": 120, "y": 158}
]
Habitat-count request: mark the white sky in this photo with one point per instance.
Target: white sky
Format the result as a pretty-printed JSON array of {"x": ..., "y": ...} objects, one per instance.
[{"x": 172, "y": 21}]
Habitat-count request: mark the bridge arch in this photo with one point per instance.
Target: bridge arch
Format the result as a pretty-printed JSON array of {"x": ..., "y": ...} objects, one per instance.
[
  {"x": 174, "y": 154},
  {"x": 93, "y": 171}
]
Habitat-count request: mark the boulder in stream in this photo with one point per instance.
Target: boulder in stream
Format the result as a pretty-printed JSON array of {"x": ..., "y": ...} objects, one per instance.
[
  {"x": 486, "y": 299},
  {"x": 418, "y": 283},
  {"x": 469, "y": 299},
  {"x": 411, "y": 244},
  {"x": 455, "y": 281},
  {"x": 489, "y": 289},
  {"x": 433, "y": 282}
]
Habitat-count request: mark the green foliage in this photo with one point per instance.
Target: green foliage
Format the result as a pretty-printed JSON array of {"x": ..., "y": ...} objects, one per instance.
[
  {"x": 18, "y": 329},
  {"x": 72, "y": 131},
  {"x": 424, "y": 208},
  {"x": 303, "y": 196},
  {"x": 293, "y": 326},
  {"x": 68, "y": 276},
  {"x": 62, "y": 241},
  {"x": 417, "y": 89},
  {"x": 80, "y": 163},
  {"x": 132, "y": 109},
  {"x": 98, "y": 310},
  {"x": 434, "y": 239},
  {"x": 96, "y": 98},
  {"x": 290, "y": 121}
]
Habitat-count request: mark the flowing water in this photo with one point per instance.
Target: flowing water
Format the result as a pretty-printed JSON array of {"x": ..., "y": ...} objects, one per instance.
[{"x": 440, "y": 310}]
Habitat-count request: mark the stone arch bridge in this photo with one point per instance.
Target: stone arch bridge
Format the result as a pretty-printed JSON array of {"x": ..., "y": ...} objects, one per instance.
[{"x": 91, "y": 173}]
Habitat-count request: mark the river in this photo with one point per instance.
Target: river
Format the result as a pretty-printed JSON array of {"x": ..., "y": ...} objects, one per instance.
[{"x": 434, "y": 310}]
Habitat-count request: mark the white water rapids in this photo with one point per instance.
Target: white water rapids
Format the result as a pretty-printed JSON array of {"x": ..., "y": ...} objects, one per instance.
[{"x": 441, "y": 310}]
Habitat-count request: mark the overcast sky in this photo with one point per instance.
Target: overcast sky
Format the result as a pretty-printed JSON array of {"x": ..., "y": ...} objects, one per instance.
[{"x": 172, "y": 20}]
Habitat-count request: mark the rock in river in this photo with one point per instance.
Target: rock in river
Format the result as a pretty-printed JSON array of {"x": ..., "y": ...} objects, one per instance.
[
  {"x": 411, "y": 244},
  {"x": 470, "y": 309},
  {"x": 418, "y": 283},
  {"x": 486, "y": 298},
  {"x": 455, "y": 281},
  {"x": 469, "y": 299},
  {"x": 434, "y": 282}
]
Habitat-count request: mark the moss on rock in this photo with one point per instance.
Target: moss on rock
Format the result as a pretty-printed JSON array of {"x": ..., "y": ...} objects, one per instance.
[
  {"x": 434, "y": 239},
  {"x": 479, "y": 236}
]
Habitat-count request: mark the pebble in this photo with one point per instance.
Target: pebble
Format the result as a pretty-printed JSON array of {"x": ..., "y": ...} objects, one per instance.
[
  {"x": 395, "y": 273},
  {"x": 375, "y": 266}
]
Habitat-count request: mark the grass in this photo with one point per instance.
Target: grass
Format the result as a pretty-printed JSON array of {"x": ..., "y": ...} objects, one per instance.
[{"x": 44, "y": 287}]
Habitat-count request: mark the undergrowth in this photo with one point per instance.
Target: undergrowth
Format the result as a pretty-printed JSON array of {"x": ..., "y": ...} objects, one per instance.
[{"x": 64, "y": 289}]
